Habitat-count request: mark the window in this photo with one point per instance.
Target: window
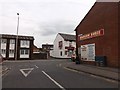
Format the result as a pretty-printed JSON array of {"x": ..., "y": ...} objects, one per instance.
[
  {"x": 60, "y": 44},
  {"x": 12, "y": 41},
  {"x": 11, "y": 51},
  {"x": 25, "y": 43},
  {"x": 70, "y": 43},
  {"x": 3, "y": 51},
  {"x": 66, "y": 52},
  {"x": 21, "y": 51},
  {"x": 4, "y": 41},
  {"x": 61, "y": 53},
  {"x": 24, "y": 51}
]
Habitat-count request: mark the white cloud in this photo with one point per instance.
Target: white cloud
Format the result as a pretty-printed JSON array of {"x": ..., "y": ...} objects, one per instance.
[{"x": 46, "y": 17}]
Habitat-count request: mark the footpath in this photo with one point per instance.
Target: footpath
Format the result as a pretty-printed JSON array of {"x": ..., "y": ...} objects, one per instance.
[{"x": 106, "y": 72}]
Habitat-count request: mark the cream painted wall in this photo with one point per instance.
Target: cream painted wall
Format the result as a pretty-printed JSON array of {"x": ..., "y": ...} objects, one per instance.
[{"x": 56, "y": 50}]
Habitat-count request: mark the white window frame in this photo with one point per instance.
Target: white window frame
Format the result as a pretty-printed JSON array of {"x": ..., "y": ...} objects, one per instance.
[
  {"x": 3, "y": 41},
  {"x": 25, "y": 43},
  {"x": 23, "y": 52},
  {"x": 3, "y": 52},
  {"x": 11, "y": 53},
  {"x": 12, "y": 41}
]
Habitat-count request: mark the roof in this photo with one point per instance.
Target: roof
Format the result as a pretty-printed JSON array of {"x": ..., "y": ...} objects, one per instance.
[
  {"x": 68, "y": 37},
  {"x": 107, "y": 0},
  {"x": 14, "y": 36}
]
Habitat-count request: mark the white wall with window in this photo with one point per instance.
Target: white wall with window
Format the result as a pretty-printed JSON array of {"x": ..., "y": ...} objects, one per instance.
[
  {"x": 3, "y": 47},
  {"x": 59, "y": 50},
  {"x": 25, "y": 43},
  {"x": 24, "y": 53}
]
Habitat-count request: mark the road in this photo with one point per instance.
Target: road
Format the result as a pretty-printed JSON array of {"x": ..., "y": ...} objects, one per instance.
[{"x": 49, "y": 74}]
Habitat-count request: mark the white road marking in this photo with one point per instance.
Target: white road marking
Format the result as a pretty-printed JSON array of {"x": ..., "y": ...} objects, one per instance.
[
  {"x": 53, "y": 80},
  {"x": 2, "y": 74},
  {"x": 36, "y": 66},
  {"x": 109, "y": 80},
  {"x": 73, "y": 70},
  {"x": 26, "y": 73}
]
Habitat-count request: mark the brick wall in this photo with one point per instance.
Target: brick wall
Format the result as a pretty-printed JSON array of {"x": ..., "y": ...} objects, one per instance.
[{"x": 103, "y": 15}]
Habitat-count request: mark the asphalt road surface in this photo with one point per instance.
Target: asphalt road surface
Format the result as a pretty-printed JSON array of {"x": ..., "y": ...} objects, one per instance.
[{"x": 49, "y": 74}]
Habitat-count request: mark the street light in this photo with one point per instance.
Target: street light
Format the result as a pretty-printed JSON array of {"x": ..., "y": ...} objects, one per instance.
[{"x": 17, "y": 36}]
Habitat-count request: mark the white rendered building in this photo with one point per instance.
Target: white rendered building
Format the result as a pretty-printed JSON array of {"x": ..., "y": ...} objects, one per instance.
[{"x": 64, "y": 46}]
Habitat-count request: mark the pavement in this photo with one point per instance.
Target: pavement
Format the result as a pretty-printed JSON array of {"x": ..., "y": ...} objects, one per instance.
[{"x": 106, "y": 72}]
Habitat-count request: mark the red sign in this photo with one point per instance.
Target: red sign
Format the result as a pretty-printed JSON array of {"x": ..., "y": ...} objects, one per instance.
[
  {"x": 69, "y": 48},
  {"x": 92, "y": 35}
]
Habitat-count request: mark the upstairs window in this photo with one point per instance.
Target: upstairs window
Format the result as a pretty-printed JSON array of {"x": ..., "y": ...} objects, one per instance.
[
  {"x": 3, "y": 41},
  {"x": 24, "y": 43},
  {"x": 12, "y": 41},
  {"x": 60, "y": 44}
]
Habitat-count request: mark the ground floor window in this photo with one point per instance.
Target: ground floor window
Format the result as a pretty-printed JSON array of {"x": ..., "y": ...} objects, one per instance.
[
  {"x": 3, "y": 52},
  {"x": 66, "y": 52},
  {"x": 11, "y": 53},
  {"x": 24, "y": 53},
  {"x": 60, "y": 53}
]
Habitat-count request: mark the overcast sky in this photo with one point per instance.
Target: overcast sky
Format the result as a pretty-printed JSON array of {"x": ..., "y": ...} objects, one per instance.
[{"x": 42, "y": 19}]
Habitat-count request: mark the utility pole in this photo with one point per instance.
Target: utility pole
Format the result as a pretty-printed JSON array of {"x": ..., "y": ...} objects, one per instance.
[{"x": 17, "y": 37}]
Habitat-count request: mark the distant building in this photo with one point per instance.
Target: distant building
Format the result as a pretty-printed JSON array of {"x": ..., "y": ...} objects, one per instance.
[
  {"x": 36, "y": 49},
  {"x": 8, "y": 47},
  {"x": 97, "y": 34},
  {"x": 64, "y": 46},
  {"x": 47, "y": 47}
]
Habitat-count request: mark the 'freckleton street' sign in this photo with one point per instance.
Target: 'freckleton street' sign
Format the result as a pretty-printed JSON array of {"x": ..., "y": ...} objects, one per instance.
[{"x": 92, "y": 35}]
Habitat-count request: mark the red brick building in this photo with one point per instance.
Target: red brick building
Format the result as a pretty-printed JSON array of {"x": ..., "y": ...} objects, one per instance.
[{"x": 98, "y": 33}]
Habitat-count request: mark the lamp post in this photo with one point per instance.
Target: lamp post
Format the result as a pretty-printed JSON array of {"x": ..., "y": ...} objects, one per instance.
[{"x": 17, "y": 36}]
